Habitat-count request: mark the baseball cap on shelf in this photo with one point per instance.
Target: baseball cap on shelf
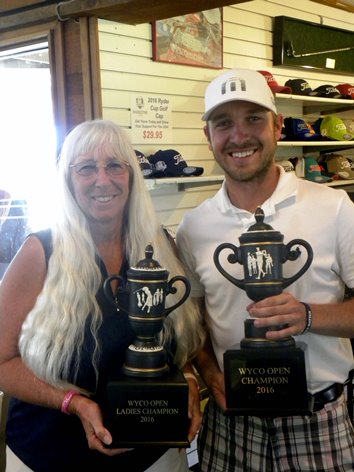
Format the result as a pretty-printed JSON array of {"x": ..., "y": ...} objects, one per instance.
[
  {"x": 328, "y": 91},
  {"x": 346, "y": 89},
  {"x": 333, "y": 127},
  {"x": 273, "y": 84},
  {"x": 296, "y": 129},
  {"x": 313, "y": 171},
  {"x": 287, "y": 165},
  {"x": 170, "y": 163},
  {"x": 317, "y": 125},
  {"x": 145, "y": 166},
  {"x": 238, "y": 84},
  {"x": 299, "y": 86},
  {"x": 339, "y": 165},
  {"x": 349, "y": 124}
]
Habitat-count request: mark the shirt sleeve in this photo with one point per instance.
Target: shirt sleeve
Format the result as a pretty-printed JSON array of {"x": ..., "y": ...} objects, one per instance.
[{"x": 184, "y": 241}]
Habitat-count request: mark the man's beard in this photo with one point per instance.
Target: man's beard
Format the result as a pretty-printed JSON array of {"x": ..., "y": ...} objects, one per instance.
[{"x": 258, "y": 174}]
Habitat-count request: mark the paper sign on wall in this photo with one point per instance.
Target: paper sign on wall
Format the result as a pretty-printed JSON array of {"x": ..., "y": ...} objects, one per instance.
[{"x": 151, "y": 119}]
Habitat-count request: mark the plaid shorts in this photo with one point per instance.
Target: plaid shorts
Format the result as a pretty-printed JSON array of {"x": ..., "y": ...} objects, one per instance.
[{"x": 321, "y": 442}]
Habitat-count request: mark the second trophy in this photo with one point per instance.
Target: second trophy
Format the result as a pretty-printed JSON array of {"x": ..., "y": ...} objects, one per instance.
[
  {"x": 262, "y": 377},
  {"x": 148, "y": 402}
]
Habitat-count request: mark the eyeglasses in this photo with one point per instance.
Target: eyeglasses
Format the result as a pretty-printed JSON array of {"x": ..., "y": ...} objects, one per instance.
[{"x": 88, "y": 169}]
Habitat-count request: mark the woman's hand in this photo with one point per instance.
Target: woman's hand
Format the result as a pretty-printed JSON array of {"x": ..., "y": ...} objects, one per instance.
[
  {"x": 194, "y": 413},
  {"x": 98, "y": 437}
]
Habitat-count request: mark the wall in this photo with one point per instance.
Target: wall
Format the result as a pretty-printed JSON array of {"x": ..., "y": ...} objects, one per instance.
[{"x": 127, "y": 67}]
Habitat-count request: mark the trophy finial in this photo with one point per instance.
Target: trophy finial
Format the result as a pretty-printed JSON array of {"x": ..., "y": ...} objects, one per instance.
[
  {"x": 148, "y": 263},
  {"x": 259, "y": 215},
  {"x": 149, "y": 251},
  {"x": 260, "y": 225}
]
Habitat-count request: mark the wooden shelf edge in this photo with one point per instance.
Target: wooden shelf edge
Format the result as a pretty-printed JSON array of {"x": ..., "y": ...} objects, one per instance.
[
  {"x": 316, "y": 100},
  {"x": 315, "y": 143},
  {"x": 340, "y": 183},
  {"x": 153, "y": 184}
]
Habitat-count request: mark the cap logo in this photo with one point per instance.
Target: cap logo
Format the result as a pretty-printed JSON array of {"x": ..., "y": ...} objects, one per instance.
[
  {"x": 160, "y": 166},
  {"x": 178, "y": 159},
  {"x": 331, "y": 90},
  {"x": 268, "y": 78},
  {"x": 143, "y": 160},
  {"x": 340, "y": 127},
  {"x": 344, "y": 164},
  {"x": 233, "y": 84},
  {"x": 304, "y": 86},
  {"x": 314, "y": 168}
]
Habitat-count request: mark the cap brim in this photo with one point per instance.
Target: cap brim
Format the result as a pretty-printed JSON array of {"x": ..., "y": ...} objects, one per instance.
[
  {"x": 189, "y": 170},
  {"x": 313, "y": 137},
  {"x": 207, "y": 114},
  {"x": 302, "y": 137},
  {"x": 318, "y": 179},
  {"x": 346, "y": 137},
  {"x": 147, "y": 173},
  {"x": 346, "y": 175},
  {"x": 327, "y": 95},
  {"x": 281, "y": 89}
]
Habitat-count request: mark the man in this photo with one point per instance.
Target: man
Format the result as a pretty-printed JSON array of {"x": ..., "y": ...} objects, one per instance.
[{"x": 242, "y": 128}]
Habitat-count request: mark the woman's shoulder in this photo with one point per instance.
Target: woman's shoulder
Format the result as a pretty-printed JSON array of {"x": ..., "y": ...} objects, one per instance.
[{"x": 46, "y": 239}]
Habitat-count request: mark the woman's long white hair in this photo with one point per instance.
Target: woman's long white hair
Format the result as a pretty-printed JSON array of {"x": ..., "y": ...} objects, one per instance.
[{"x": 53, "y": 332}]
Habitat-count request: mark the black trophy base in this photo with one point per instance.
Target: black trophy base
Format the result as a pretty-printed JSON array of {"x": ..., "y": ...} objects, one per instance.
[
  {"x": 152, "y": 411},
  {"x": 267, "y": 381}
]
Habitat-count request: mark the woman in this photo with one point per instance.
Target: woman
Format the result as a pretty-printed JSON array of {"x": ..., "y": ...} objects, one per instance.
[{"x": 56, "y": 343}]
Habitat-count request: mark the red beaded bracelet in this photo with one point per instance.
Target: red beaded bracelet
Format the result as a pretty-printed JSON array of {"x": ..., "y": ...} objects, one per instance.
[{"x": 66, "y": 401}]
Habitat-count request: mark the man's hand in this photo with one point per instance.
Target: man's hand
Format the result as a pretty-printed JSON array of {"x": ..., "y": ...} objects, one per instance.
[{"x": 280, "y": 310}]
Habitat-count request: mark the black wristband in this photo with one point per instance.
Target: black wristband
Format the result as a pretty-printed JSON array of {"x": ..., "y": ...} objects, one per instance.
[{"x": 308, "y": 318}]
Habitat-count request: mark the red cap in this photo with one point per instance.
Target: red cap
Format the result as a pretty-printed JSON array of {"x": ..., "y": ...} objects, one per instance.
[
  {"x": 273, "y": 84},
  {"x": 346, "y": 89}
]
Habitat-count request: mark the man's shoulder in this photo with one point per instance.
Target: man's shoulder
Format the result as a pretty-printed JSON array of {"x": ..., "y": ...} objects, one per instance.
[
  {"x": 202, "y": 211},
  {"x": 319, "y": 190}
]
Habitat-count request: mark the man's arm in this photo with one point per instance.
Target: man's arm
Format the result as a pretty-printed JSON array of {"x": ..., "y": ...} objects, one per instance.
[{"x": 331, "y": 319}]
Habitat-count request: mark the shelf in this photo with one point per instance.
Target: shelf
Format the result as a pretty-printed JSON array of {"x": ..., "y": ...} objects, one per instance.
[
  {"x": 316, "y": 143},
  {"x": 340, "y": 183},
  {"x": 318, "y": 104},
  {"x": 183, "y": 182},
  {"x": 318, "y": 146}
]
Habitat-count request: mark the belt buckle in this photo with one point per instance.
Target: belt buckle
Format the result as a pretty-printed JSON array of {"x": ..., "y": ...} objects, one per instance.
[{"x": 328, "y": 395}]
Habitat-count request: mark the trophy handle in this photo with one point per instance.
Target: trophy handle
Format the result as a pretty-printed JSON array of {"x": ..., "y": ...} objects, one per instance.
[
  {"x": 108, "y": 289},
  {"x": 171, "y": 289},
  {"x": 232, "y": 258},
  {"x": 292, "y": 255}
]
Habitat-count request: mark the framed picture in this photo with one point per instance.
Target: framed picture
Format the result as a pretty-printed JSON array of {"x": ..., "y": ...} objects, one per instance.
[
  {"x": 194, "y": 39},
  {"x": 303, "y": 44}
]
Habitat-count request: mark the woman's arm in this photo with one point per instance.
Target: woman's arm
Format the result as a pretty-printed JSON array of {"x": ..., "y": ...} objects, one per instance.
[{"x": 19, "y": 290}]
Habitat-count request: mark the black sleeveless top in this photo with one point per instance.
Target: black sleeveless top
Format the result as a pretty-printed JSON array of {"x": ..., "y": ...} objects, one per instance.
[{"x": 47, "y": 440}]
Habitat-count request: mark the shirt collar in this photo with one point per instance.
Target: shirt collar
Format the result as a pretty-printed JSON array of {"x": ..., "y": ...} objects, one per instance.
[{"x": 286, "y": 188}]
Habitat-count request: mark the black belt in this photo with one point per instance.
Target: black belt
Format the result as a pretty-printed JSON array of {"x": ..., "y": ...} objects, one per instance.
[{"x": 327, "y": 395}]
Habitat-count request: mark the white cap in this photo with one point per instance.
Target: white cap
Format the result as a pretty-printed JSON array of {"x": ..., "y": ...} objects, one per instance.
[{"x": 238, "y": 84}]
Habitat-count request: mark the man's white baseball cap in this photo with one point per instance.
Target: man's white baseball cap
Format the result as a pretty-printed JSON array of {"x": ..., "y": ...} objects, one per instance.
[{"x": 238, "y": 84}]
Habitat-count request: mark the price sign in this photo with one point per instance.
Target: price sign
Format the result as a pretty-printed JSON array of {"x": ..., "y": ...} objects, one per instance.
[
  {"x": 151, "y": 119},
  {"x": 153, "y": 135}
]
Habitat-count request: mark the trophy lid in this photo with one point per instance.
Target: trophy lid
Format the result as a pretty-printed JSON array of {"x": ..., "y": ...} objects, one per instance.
[
  {"x": 148, "y": 264},
  {"x": 260, "y": 225},
  {"x": 260, "y": 230}
]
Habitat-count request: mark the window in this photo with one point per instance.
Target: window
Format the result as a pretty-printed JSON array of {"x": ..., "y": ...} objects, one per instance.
[{"x": 27, "y": 146}]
